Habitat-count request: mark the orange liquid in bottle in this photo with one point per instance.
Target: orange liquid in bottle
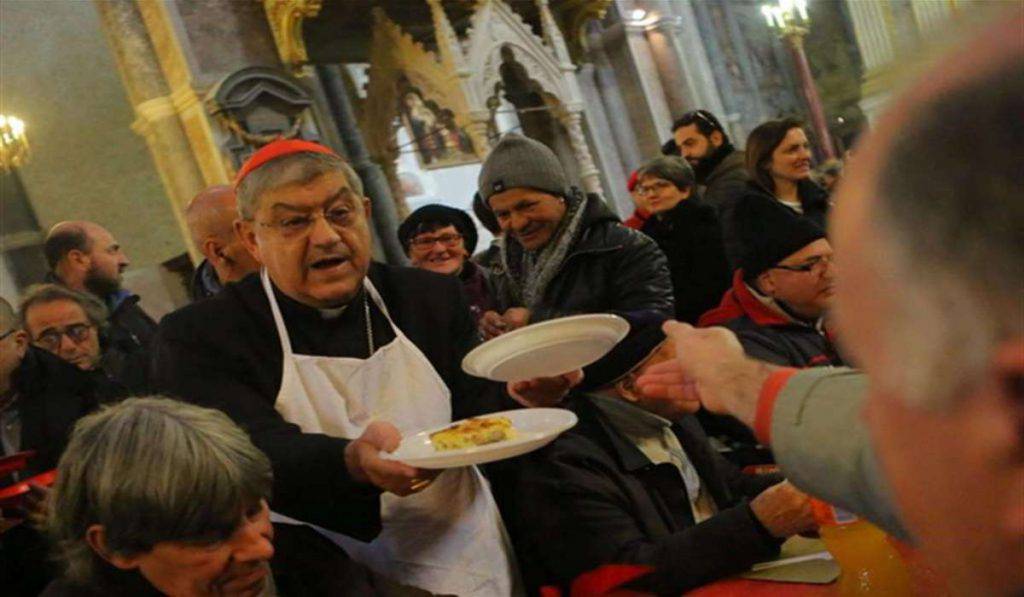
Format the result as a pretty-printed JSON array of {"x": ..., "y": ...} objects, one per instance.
[{"x": 870, "y": 564}]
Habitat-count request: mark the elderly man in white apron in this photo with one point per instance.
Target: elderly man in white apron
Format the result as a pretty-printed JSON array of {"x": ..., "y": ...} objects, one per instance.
[{"x": 356, "y": 343}]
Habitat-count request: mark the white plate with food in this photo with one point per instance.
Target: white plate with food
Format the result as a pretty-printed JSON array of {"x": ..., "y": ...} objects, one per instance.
[
  {"x": 546, "y": 349},
  {"x": 479, "y": 440}
]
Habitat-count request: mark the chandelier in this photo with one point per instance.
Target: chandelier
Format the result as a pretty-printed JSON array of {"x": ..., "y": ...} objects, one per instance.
[{"x": 13, "y": 143}]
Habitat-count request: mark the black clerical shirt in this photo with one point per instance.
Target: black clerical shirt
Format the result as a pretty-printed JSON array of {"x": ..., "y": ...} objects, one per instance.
[
  {"x": 225, "y": 353},
  {"x": 317, "y": 332}
]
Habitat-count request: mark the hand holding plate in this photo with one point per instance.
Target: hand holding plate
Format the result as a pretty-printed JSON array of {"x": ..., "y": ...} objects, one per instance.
[
  {"x": 544, "y": 391},
  {"x": 362, "y": 458}
]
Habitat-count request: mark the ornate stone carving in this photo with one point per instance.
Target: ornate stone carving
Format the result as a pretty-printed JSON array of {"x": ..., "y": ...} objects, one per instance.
[
  {"x": 589, "y": 175},
  {"x": 285, "y": 18},
  {"x": 495, "y": 25},
  {"x": 396, "y": 58},
  {"x": 255, "y": 105}
]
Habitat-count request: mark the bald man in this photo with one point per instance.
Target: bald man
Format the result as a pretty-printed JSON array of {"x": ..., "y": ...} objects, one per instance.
[
  {"x": 211, "y": 216},
  {"x": 86, "y": 257},
  {"x": 41, "y": 397}
]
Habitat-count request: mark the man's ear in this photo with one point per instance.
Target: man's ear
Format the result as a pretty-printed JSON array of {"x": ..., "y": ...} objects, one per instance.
[
  {"x": 96, "y": 537},
  {"x": 766, "y": 283},
  {"x": 716, "y": 138},
  {"x": 77, "y": 258},
  {"x": 245, "y": 230},
  {"x": 367, "y": 210},
  {"x": 212, "y": 249},
  {"x": 686, "y": 192}
]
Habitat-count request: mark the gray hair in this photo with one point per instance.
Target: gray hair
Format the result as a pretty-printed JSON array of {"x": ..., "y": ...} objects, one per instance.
[
  {"x": 8, "y": 319},
  {"x": 951, "y": 222},
  {"x": 39, "y": 294},
  {"x": 671, "y": 168},
  {"x": 151, "y": 470},
  {"x": 297, "y": 168}
]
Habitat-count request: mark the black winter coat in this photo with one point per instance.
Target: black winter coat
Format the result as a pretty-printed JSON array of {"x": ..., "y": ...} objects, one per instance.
[
  {"x": 723, "y": 187},
  {"x": 129, "y": 340},
  {"x": 610, "y": 269},
  {"x": 767, "y": 336},
  {"x": 691, "y": 238},
  {"x": 224, "y": 352},
  {"x": 592, "y": 498},
  {"x": 52, "y": 396}
]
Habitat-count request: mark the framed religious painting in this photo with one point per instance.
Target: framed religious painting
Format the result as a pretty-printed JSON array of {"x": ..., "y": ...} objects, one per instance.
[{"x": 436, "y": 139}]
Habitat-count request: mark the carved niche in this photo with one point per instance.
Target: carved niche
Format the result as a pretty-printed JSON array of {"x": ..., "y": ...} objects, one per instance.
[{"x": 256, "y": 105}]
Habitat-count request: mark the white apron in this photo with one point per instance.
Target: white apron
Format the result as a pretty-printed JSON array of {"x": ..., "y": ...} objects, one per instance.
[{"x": 448, "y": 538}]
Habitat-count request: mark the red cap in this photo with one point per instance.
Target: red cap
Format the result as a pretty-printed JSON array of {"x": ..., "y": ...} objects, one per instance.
[
  {"x": 631, "y": 183},
  {"x": 276, "y": 149}
]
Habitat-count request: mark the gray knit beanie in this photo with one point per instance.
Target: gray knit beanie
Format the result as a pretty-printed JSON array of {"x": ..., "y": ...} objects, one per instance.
[{"x": 518, "y": 162}]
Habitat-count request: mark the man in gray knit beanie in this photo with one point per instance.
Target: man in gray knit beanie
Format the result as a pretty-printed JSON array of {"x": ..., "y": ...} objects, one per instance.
[{"x": 561, "y": 252}]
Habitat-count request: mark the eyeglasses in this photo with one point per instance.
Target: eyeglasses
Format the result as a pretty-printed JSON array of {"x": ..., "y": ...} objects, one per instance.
[
  {"x": 50, "y": 339},
  {"x": 339, "y": 217},
  {"x": 816, "y": 265},
  {"x": 450, "y": 240},
  {"x": 652, "y": 188}
]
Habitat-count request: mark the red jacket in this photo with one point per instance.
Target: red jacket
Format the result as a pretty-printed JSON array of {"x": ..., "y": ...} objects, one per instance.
[{"x": 768, "y": 335}]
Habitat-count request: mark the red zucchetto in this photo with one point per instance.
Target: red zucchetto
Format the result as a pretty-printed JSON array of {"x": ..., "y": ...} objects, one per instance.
[{"x": 276, "y": 149}]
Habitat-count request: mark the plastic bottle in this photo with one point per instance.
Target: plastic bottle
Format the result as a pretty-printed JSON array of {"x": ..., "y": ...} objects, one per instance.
[{"x": 870, "y": 563}]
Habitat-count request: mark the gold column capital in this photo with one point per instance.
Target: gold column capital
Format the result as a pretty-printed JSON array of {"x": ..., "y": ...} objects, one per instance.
[{"x": 285, "y": 18}]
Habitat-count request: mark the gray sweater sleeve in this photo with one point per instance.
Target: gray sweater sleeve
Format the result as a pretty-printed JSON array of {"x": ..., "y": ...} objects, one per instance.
[{"x": 823, "y": 447}]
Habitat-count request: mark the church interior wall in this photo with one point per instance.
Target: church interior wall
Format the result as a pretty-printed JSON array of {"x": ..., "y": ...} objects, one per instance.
[{"x": 86, "y": 163}]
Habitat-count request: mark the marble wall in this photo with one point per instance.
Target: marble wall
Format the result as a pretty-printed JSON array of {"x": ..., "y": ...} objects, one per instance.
[{"x": 59, "y": 76}]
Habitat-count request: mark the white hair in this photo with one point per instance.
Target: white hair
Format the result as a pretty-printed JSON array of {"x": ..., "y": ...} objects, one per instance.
[{"x": 951, "y": 227}]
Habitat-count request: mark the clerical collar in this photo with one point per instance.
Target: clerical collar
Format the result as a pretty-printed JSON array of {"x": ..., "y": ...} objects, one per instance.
[
  {"x": 291, "y": 305},
  {"x": 332, "y": 313}
]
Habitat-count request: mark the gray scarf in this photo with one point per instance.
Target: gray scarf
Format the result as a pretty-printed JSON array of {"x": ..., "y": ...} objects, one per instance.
[{"x": 530, "y": 272}]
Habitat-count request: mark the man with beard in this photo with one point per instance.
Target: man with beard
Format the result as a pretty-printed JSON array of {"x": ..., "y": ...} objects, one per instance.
[
  {"x": 719, "y": 167},
  {"x": 85, "y": 257},
  {"x": 211, "y": 219}
]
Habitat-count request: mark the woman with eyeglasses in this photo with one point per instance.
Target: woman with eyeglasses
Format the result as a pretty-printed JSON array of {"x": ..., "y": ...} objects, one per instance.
[
  {"x": 441, "y": 239},
  {"x": 687, "y": 231}
]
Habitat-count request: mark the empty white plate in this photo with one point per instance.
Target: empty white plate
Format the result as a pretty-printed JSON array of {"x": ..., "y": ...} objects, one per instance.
[
  {"x": 535, "y": 428},
  {"x": 546, "y": 349}
]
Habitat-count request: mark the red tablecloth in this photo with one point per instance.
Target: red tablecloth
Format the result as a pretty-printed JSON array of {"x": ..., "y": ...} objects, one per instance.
[{"x": 741, "y": 587}]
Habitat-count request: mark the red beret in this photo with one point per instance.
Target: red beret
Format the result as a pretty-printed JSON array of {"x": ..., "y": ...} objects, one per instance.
[
  {"x": 276, "y": 149},
  {"x": 631, "y": 183}
]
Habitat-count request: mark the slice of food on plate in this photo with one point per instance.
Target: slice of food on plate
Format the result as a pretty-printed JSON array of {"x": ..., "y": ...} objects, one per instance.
[{"x": 476, "y": 431}]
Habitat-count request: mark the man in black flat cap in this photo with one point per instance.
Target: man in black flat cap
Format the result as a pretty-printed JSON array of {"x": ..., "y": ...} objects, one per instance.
[
  {"x": 441, "y": 239},
  {"x": 638, "y": 473}
]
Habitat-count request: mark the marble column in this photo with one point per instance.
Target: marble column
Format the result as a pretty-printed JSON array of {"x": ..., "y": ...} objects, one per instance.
[
  {"x": 877, "y": 48},
  {"x": 682, "y": 62},
  {"x": 375, "y": 184},
  {"x": 931, "y": 16},
  {"x": 607, "y": 86},
  {"x": 157, "y": 116},
  {"x": 871, "y": 29},
  {"x": 606, "y": 152},
  {"x": 572, "y": 120}
]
